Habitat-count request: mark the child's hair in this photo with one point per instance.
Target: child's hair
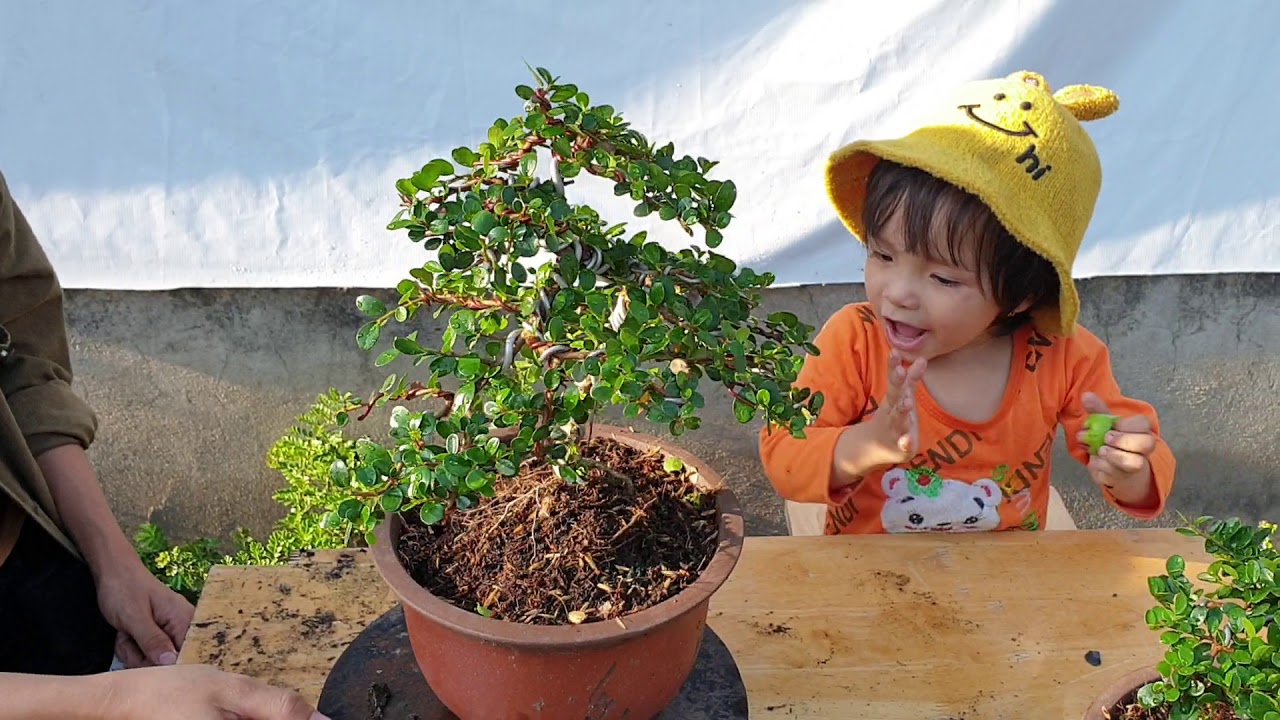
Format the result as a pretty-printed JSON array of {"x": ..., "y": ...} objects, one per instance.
[{"x": 1012, "y": 272}]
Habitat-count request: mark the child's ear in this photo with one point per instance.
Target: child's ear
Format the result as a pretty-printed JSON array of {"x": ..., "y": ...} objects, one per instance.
[{"x": 1024, "y": 306}]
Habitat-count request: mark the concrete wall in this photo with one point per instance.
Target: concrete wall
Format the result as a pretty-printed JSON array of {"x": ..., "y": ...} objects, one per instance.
[{"x": 193, "y": 386}]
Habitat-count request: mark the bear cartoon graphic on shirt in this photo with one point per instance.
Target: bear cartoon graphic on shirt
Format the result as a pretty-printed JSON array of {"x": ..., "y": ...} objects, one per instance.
[{"x": 924, "y": 502}]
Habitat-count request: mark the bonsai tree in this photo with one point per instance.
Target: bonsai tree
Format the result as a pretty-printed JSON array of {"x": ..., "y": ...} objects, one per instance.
[
  {"x": 555, "y": 313},
  {"x": 1224, "y": 642}
]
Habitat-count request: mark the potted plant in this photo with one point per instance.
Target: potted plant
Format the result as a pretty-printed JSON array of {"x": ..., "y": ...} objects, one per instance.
[
  {"x": 1223, "y": 660},
  {"x": 548, "y": 565}
]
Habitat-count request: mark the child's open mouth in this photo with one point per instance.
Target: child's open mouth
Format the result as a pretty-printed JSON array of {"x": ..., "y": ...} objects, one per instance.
[{"x": 904, "y": 337}]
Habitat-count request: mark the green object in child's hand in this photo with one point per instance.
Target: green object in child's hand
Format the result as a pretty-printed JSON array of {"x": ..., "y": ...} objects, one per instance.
[{"x": 1096, "y": 427}]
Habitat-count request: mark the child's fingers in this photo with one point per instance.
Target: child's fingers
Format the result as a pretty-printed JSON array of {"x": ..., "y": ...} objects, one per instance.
[
  {"x": 915, "y": 373},
  {"x": 1123, "y": 461},
  {"x": 1093, "y": 404},
  {"x": 1141, "y": 443},
  {"x": 1133, "y": 424},
  {"x": 1103, "y": 472},
  {"x": 904, "y": 423},
  {"x": 899, "y": 400},
  {"x": 897, "y": 380}
]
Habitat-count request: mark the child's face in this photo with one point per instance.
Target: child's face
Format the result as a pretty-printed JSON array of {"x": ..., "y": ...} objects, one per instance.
[{"x": 929, "y": 307}]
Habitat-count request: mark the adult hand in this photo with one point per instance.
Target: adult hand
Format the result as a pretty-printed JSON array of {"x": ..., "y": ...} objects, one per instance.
[
  {"x": 152, "y": 620},
  {"x": 200, "y": 692}
]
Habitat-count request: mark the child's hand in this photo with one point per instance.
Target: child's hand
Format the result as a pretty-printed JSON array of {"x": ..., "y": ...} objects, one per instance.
[
  {"x": 891, "y": 435},
  {"x": 1122, "y": 463},
  {"x": 897, "y": 435}
]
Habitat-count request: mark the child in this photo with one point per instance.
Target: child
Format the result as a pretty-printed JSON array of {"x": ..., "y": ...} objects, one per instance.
[{"x": 944, "y": 391}]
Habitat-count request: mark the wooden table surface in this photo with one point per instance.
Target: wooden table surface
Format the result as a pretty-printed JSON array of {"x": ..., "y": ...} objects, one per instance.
[{"x": 925, "y": 627}]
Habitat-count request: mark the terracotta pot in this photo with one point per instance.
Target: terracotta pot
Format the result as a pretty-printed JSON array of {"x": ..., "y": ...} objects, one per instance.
[
  {"x": 1122, "y": 692},
  {"x": 493, "y": 669}
]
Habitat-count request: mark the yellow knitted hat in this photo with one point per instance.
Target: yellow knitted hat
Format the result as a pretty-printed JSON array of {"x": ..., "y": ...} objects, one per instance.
[{"x": 1019, "y": 148}]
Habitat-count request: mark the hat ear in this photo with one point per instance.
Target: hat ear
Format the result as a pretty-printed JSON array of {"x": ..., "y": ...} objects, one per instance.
[{"x": 1086, "y": 102}]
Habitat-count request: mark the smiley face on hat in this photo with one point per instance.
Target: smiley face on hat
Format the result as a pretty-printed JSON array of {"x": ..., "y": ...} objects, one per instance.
[
  {"x": 1022, "y": 101},
  {"x": 1015, "y": 144}
]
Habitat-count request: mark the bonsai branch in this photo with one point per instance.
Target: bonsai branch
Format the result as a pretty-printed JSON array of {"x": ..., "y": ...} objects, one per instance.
[
  {"x": 613, "y": 475},
  {"x": 414, "y": 391},
  {"x": 635, "y": 517},
  {"x": 429, "y": 296}
]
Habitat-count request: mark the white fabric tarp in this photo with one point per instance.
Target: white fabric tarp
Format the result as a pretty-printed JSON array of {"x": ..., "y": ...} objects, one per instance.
[{"x": 253, "y": 143}]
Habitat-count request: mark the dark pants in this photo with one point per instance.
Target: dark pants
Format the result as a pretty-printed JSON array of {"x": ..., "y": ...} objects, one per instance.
[{"x": 49, "y": 618}]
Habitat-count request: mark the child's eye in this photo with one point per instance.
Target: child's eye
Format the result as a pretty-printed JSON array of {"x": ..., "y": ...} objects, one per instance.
[
  {"x": 945, "y": 282},
  {"x": 882, "y": 257}
]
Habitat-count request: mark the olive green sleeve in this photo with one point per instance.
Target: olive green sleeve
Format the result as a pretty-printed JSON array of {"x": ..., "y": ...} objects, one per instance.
[{"x": 36, "y": 378}]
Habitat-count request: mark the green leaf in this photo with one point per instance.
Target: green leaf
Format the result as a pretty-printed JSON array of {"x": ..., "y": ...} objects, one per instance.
[
  {"x": 567, "y": 473},
  {"x": 406, "y": 187},
  {"x": 367, "y": 336},
  {"x": 371, "y": 306},
  {"x": 386, "y": 358},
  {"x": 742, "y": 411},
  {"x": 424, "y": 179},
  {"x": 391, "y": 501},
  {"x": 714, "y": 238},
  {"x": 339, "y": 473},
  {"x": 1260, "y": 704},
  {"x": 528, "y": 163},
  {"x": 431, "y": 512},
  {"x": 658, "y": 293},
  {"x": 350, "y": 509},
  {"x": 672, "y": 464},
  {"x": 725, "y": 197},
  {"x": 597, "y": 302},
  {"x": 366, "y": 476},
  {"x": 1155, "y": 586},
  {"x": 465, "y": 156},
  {"x": 1181, "y": 605},
  {"x": 524, "y": 92},
  {"x": 440, "y": 166},
  {"x": 464, "y": 396},
  {"x": 483, "y": 221},
  {"x": 469, "y": 367},
  {"x": 409, "y": 346},
  {"x": 477, "y": 479}
]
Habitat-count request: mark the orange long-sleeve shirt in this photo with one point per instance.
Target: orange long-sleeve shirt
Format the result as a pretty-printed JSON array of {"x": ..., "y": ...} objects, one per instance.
[{"x": 967, "y": 476}]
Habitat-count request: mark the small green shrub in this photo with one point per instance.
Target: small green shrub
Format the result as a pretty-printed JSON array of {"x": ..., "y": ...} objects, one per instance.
[
  {"x": 303, "y": 457},
  {"x": 1224, "y": 642}
]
